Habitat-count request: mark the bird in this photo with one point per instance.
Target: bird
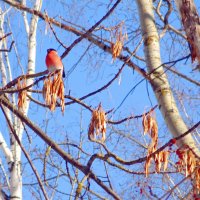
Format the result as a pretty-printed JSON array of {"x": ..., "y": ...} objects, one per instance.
[{"x": 54, "y": 62}]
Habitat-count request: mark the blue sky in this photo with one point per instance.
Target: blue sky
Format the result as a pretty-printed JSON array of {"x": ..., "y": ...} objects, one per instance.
[{"x": 93, "y": 71}]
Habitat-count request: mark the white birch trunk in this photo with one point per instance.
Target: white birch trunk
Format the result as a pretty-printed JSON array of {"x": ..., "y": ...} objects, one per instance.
[
  {"x": 3, "y": 145},
  {"x": 159, "y": 80},
  {"x": 16, "y": 177}
]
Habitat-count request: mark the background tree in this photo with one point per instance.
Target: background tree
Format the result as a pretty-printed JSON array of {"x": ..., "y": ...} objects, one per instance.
[{"x": 111, "y": 141}]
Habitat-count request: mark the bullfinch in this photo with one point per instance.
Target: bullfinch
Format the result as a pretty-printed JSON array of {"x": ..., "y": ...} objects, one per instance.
[{"x": 53, "y": 61}]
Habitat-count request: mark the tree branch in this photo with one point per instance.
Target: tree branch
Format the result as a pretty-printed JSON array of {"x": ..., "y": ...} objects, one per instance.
[
  {"x": 56, "y": 147},
  {"x": 90, "y": 30},
  {"x": 63, "y": 26},
  {"x": 109, "y": 154}
]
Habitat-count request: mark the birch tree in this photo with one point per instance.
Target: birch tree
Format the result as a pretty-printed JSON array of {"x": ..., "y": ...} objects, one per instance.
[
  {"x": 102, "y": 132},
  {"x": 159, "y": 80},
  {"x": 13, "y": 154}
]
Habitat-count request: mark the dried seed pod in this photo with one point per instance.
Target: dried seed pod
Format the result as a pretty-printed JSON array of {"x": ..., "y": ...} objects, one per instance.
[
  {"x": 116, "y": 49},
  {"x": 118, "y": 35},
  {"x": 97, "y": 124},
  {"x": 53, "y": 89},
  {"x": 22, "y": 95},
  {"x": 165, "y": 157}
]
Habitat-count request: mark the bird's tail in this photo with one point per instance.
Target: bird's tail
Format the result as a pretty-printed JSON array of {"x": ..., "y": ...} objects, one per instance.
[{"x": 63, "y": 73}]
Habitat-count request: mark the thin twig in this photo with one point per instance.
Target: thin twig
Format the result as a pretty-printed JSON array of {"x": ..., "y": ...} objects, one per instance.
[
  {"x": 54, "y": 33},
  {"x": 90, "y": 30},
  {"x": 181, "y": 75},
  {"x": 148, "y": 75},
  {"x": 131, "y": 117}
]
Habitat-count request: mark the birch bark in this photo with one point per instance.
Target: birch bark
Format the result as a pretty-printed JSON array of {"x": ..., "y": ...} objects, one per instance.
[
  {"x": 3, "y": 145},
  {"x": 15, "y": 172}
]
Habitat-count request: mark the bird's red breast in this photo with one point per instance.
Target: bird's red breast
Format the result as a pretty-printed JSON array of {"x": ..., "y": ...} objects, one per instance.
[{"x": 53, "y": 60}]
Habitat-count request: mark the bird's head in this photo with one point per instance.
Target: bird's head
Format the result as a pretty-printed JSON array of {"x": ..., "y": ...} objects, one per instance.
[{"x": 49, "y": 50}]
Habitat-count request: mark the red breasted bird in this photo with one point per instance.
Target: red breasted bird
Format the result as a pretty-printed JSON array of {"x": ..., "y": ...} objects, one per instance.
[{"x": 54, "y": 62}]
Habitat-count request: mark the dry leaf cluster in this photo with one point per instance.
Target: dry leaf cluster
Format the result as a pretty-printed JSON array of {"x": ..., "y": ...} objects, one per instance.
[
  {"x": 97, "y": 124},
  {"x": 190, "y": 165},
  {"x": 187, "y": 159},
  {"x": 161, "y": 159},
  {"x": 22, "y": 95},
  {"x": 117, "y": 40},
  {"x": 53, "y": 89},
  {"x": 150, "y": 126}
]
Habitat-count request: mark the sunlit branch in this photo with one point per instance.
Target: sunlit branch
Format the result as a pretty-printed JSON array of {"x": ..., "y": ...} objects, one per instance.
[
  {"x": 109, "y": 154},
  {"x": 23, "y": 88},
  {"x": 75, "y": 100},
  {"x": 4, "y": 36},
  {"x": 37, "y": 102},
  {"x": 142, "y": 173},
  {"x": 80, "y": 187}
]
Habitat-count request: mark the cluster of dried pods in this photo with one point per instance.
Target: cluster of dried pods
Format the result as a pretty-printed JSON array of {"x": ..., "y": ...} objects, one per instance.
[
  {"x": 117, "y": 40},
  {"x": 161, "y": 159},
  {"x": 97, "y": 124},
  {"x": 53, "y": 89},
  {"x": 187, "y": 163},
  {"x": 22, "y": 94}
]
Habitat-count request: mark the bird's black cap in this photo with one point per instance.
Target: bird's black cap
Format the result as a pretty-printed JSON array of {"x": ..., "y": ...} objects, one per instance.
[{"x": 48, "y": 50}]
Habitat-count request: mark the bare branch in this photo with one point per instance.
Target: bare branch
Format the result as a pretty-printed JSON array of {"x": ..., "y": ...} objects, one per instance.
[
  {"x": 63, "y": 26},
  {"x": 56, "y": 148},
  {"x": 139, "y": 160},
  {"x": 131, "y": 117},
  {"x": 181, "y": 75},
  {"x": 90, "y": 30}
]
